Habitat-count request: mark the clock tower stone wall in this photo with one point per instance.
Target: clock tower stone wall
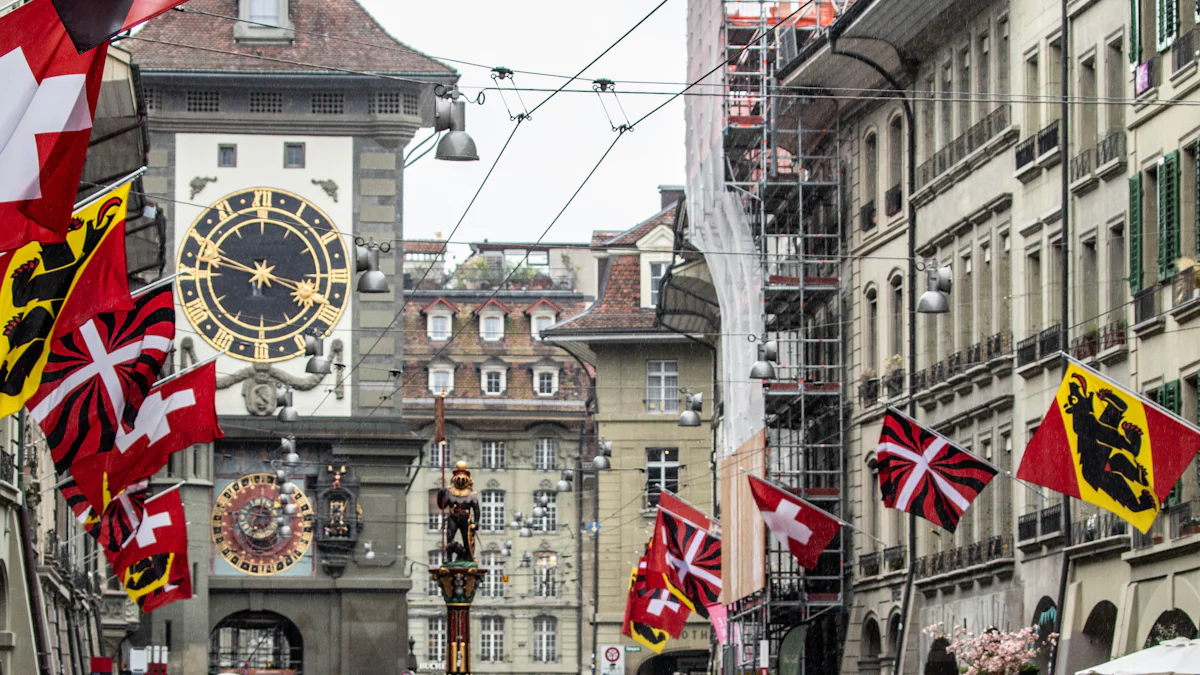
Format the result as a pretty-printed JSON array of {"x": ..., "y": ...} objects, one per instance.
[{"x": 334, "y": 141}]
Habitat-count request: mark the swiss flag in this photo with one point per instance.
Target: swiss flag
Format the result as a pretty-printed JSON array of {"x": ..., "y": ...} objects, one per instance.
[
  {"x": 156, "y": 555},
  {"x": 175, "y": 414},
  {"x": 50, "y": 93},
  {"x": 802, "y": 527},
  {"x": 90, "y": 22}
]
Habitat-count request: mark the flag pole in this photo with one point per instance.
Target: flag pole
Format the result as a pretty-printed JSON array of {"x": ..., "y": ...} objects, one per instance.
[
  {"x": 192, "y": 367},
  {"x": 685, "y": 520},
  {"x": 700, "y": 510},
  {"x": 167, "y": 491},
  {"x": 154, "y": 285},
  {"x": 99, "y": 194}
]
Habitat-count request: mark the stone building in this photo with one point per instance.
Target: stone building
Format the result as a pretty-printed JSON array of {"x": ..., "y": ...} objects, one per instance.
[{"x": 516, "y": 412}]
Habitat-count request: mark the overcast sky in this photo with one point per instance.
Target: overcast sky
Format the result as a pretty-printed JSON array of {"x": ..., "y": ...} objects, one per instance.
[{"x": 551, "y": 153}]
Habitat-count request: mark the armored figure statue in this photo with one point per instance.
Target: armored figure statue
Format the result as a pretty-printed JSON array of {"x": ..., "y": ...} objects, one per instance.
[{"x": 461, "y": 504}]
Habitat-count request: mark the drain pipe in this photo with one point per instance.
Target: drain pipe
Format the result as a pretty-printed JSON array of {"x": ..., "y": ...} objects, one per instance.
[
  {"x": 32, "y": 586},
  {"x": 910, "y": 119}
]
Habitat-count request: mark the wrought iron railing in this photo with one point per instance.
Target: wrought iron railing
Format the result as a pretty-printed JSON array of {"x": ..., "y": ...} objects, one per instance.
[
  {"x": 1183, "y": 524},
  {"x": 1027, "y": 350},
  {"x": 893, "y": 558},
  {"x": 1111, "y": 148},
  {"x": 1026, "y": 152},
  {"x": 974, "y": 354},
  {"x": 1145, "y": 304},
  {"x": 8, "y": 468},
  {"x": 893, "y": 383},
  {"x": 956, "y": 364},
  {"x": 892, "y": 200},
  {"x": 1153, "y": 536},
  {"x": 868, "y": 564},
  {"x": 1081, "y": 165},
  {"x": 1027, "y": 527},
  {"x": 1050, "y": 519},
  {"x": 976, "y": 553},
  {"x": 866, "y": 216},
  {"x": 1047, "y": 138},
  {"x": 957, "y": 150},
  {"x": 1086, "y": 346},
  {"x": 1098, "y": 526},
  {"x": 920, "y": 380},
  {"x": 1113, "y": 334},
  {"x": 937, "y": 373},
  {"x": 1050, "y": 340},
  {"x": 1183, "y": 51},
  {"x": 998, "y": 345}
]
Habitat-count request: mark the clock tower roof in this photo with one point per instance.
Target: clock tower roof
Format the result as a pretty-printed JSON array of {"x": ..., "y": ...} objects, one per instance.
[{"x": 193, "y": 40}]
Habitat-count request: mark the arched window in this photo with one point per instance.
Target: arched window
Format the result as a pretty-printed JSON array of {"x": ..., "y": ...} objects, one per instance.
[
  {"x": 895, "y": 162},
  {"x": 1173, "y": 623},
  {"x": 871, "y": 348},
  {"x": 1098, "y": 632},
  {"x": 896, "y": 346},
  {"x": 256, "y": 640},
  {"x": 870, "y": 168},
  {"x": 1044, "y": 617},
  {"x": 545, "y": 639},
  {"x": 871, "y": 642}
]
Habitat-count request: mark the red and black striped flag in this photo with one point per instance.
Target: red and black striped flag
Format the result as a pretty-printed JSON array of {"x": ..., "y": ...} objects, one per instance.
[
  {"x": 90, "y": 22},
  {"x": 925, "y": 474},
  {"x": 122, "y": 514},
  {"x": 693, "y": 557}
]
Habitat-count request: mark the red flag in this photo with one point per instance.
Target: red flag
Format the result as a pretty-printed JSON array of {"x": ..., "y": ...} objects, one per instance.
[
  {"x": 97, "y": 376},
  {"x": 151, "y": 559},
  {"x": 122, "y": 514},
  {"x": 90, "y": 22},
  {"x": 50, "y": 93},
  {"x": 178, "y": 588},
  {"x": 693, "y": 557},
  {"x": 805, "y": 529},
  {"x": 654, "y": 563},
  {"x": 177, "y": 413},
  {"x": 925, "y": 474},
  {"x": 671, "y": 502},
  {"x": 657, "y": 608}
]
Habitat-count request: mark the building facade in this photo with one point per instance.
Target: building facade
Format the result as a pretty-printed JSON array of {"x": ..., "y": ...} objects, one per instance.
[
  {"x": 516, "y": 411},
  {"x": 272, "y": 157}
]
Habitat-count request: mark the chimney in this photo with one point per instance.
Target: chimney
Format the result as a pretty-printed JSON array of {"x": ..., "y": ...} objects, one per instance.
[{"x": 670, "y": 194}]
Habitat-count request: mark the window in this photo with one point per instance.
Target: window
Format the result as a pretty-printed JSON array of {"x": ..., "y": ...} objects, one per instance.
[
  {"x": 226, "y": 156},
  {"x": 545, "y": 454},
  {"x": 1115, "y": 278},
  {"x": 1054, "y": 59},
  {"x": 657, "y": 270},
  {"x": 871, "y": 349},
  {"x": 329, "y": 103},
  {"x": 491, "y": 510},
  {"x": 493, "y": 455},
  {"x": 434, "y": 522},
  {"x": 964, "y": 290},
  {"x": 964, "y": 89},
  {"x": 870, "y": 168},
  {"x": 545, "y": 639},
  {"x": 435, "y": 561},
  {"x": 928, "y": 120},
  {"x": 1002, "y": 48},
  {"x": 548, "y": 522},
  {"x": 545, "y": 382},
  {"x": 293, "y": 155},
  {"x": 946, "y": 103},
  {"x": 984, "y": 294},
  {"x": 1033, "y": 85},
  {"x": 266, "y": 102},
  {"x": 1089, "y": 106},
  {"x": 384, "y": 103},
  {"x": 1166, "y": 23},
  {"x": 153, "y": 99},
  {"x": 1054, "y": 281},
  {"x": 439, "y": 327},
  {"x": 896, "y": 347},
  {"x": 1114, "y": 82},
  {"x": 493, "y": 382},
  {"x": 493, "y": 328},
  {"x": 435, "y": 454},
  {"x": 436, "y": 645},
  {"x": 265, "y": 11},
  {"x": 983, "y": 73},
  {"x": 662, "y": 473},
  {"x": 1090, "y": 291},
  {"x": 441, "y": 381},
  {"x": 1004, "y": 281},
  {"x": 204, "y": 101},
  {"x": 662, "y": 386},
  {"x": 1168, "y": 215},
  {"x": 493, "y": 581},
  {"x": 1033, "y": 292},
  {"x": 545, "y": 575},
  {"x": 491, "y": 639},
  {"x": 895, "y": 162},
  {"x": 540, "y": 323}
]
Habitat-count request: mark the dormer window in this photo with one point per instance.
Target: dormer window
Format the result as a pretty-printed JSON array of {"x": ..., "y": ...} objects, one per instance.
[
  {"x": 657, "y": 270},
  {"x": 542, "y": 314},
  {"x": 494, "y": 381},
  {"x": 439, "y": 319},
  {"x": 540, "y": 323},
  {"x": 265, "y": 21},
  {"x": 265, "y": 11},
  {"x": 441, "y": 380},
  {"x": 439, "y": 327},
  {"x": 491, "y": 320},
  {"x": 493, "y": 328},
  {"x": 545, "y": 377}
]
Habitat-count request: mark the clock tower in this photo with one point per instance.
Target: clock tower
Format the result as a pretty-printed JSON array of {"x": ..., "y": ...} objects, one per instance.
[{"x": 277, "y": 133}]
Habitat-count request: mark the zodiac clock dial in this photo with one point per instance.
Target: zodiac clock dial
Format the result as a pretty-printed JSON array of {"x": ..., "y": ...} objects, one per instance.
[
  {"x": 246, "y": 530},
  {"x": 260, "y": 269}
]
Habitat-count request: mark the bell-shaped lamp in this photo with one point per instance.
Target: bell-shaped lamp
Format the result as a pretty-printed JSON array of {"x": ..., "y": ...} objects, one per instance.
[
  {"x": 314, "y": 348},
  {"x": 762, "y": 370},
  {"x": 934, "y": 300},
  {"x": 457, "y": 145},
  {"x": 287, "y": 412},
  {"x": 601, "y": 463}
]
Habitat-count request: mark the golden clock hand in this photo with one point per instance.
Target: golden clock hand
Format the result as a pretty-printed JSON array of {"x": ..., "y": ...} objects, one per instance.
[{"x": 304, "y": 293}]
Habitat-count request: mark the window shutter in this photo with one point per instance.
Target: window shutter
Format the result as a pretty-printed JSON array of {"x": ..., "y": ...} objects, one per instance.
[
  {"x": 1135, "y": 232},
  {"x": 1168, "y": 215},
  {"x": 1166, "y": 23},
  {"x": 1135, "y": 31},
  {"x": 1170, "y": 396}
]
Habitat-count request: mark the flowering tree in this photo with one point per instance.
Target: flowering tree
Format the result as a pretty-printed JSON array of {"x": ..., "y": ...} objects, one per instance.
[{"x": 993, "y": 652}]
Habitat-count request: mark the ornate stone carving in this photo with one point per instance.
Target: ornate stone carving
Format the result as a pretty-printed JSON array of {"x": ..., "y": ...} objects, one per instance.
[
  {"x": 200, "y": 182},
  {"x": 493, "y": 483},
  {"x": 545, "y": 484},
  {"x": 260, "y": 382},
  {"x": 330, "y": 187}
]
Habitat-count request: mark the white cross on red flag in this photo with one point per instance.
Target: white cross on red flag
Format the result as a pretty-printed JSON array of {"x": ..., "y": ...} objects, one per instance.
[
  {"x": 803, "y": 528},
  {"x": 50, "y": 93},
  {"x": 178, "y": 413},
  {"x": 155, "y": 557}
]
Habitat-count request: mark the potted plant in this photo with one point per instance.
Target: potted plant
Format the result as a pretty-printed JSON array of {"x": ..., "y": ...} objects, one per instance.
[
  {"x": 868, "y": 386},
  {"x": 893, "y": 375},
  {"x": 993, "y": 652}
]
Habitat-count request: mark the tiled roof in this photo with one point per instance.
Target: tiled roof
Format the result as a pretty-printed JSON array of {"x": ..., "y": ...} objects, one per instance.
[
  {"x": 601, "y": 236},
  {"x": 547, "y": 303},
  {"x": 619, "y": 307},
  {"x": 631, "y": 236},
  {"x": 493, "y": 302},
  {"x": 440, "y": 301},
  {"x": 431, "y": 246},
  {"x": 367, "y": 46}
]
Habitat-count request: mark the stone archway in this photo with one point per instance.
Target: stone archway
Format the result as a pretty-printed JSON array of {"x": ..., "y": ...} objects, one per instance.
[
  {"x": 1093, "y": 645},
  {"x": 1045, "y": 615},
  {"x": 870, "y": 647},
  {"x": 256, "y": 641},
  {"x": 1170, "y": 624}
]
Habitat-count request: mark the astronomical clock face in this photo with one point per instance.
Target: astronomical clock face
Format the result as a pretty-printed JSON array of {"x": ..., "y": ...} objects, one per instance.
[
  {"x": 245, "y": 526},
  {"x": 259, "y": 270}
]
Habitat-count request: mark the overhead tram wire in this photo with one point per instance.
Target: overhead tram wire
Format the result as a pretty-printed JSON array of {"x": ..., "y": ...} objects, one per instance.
[{"x": 519, "y": 120}]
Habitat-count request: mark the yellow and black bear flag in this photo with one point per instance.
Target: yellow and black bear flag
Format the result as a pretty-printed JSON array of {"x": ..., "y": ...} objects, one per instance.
[{"x": 37, "y": 298}]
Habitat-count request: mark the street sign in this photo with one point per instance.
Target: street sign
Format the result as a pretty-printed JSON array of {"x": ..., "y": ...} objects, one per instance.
[
  {"x": 633, "y": 648},
  {"x": 612, "y": 654},
  {"x": 613, "y": 661},
  {"x": 594, "y": 527}
]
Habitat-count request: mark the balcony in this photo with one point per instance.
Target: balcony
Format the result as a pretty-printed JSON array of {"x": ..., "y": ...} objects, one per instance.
[
  {"x": 1026, "y": 153},
  {"x": 868, "y": 391},
  {"x": 1183, "y": 53},
  {"x": 998, "y": 345},
  {"x": 482, "y": 274},
  {"x": 893, "y": 200},
  {"x": 1183, "y": 523},
  {"x": 1027, "y": 527},
  {"x": 893, "y": 383},
  {"x": 1082, "y": 178},
  {"x": 1185, "y": 294},
  {"x": 964, "y": 558},
  {"x": 1027, "y": 351},
  {"x": 866, "y": 216},
  {"x": 868, "y": 564},
  {"x": 1110, "y": 155},
  {"x": 8, "y": 468},
  {"x": 1146, "y": 78},
  {"x": 956, "y": 364},
  {"x": 920, "y": 380},
  {"x": 1050, "y": 341},
  {"x": 965, "y": 145},
  {"x": 1050, "y": 520},
  {"x": 1146, "y": 312},
  {"x": 1098, "y": 527},
  {"x": 1048, "y": 144},
  {"x": 894, "y": 558},
  {"x": 1086, "y": 346}
]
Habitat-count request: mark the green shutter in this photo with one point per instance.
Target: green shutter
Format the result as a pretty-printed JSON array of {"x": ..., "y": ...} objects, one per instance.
[
  {"x": 1135, "y": 31},
  {"x": 1168, "y": 215},
  {"x": 1135, "y": 232},
  {"x": 1166, "y": 25}
]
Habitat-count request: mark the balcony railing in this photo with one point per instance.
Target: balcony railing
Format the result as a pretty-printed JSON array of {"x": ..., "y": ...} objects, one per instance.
[
  {"x": 1050, "y": 340},
  {"x": 1113, "y": 334},
  {"x": 868, "y": 564},
  {"x": 1111, "y": 148},
  {"x": 974, "y": 354},
  {"x": 1027, "y": 527},
  {"x": 1047, "y": 138},
  {"x": 893, "y": 383},
  {"x": 1026, "y": 152},
  {"x": 1098, "y": 526},
  {"x": 1183, "y": 51},
  {"x": 956, "y": 364},
  {"x": 1085, "y": 346},
  {"x": 1185, "y": 287},
  {"x": 892, "y": 200},
  {"x": 964, "y": 557},
  {"x": 1081, "y": 165},
  {"x": 1145, "y": 305},
  {"x": 866, "y": 216},
  {"x": 1146, "y": 77},
  {"x": 480, "y": 274},
  {"x": 998, "y": 345},
  {"x": 957, "y": 150},
  {"x": 1050, "y": 519},
  {"x": 1183, "y": 524},
  {"x": 1027, "y": 350},
  {"x": 937, "y": 373},
  {"x": 920, "y": 380},
  {"x": 8, "y": 468},
  {"x": 894, "y": 558}
]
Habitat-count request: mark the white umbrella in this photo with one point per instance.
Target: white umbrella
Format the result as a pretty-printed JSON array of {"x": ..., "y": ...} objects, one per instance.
[{"x": 1180, "y": 656}]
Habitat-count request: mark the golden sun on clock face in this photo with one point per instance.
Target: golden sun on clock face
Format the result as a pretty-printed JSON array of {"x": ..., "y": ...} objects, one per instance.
[
  {"x": 245, "y": 528},
  {"x": 260, "y": 269}
]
